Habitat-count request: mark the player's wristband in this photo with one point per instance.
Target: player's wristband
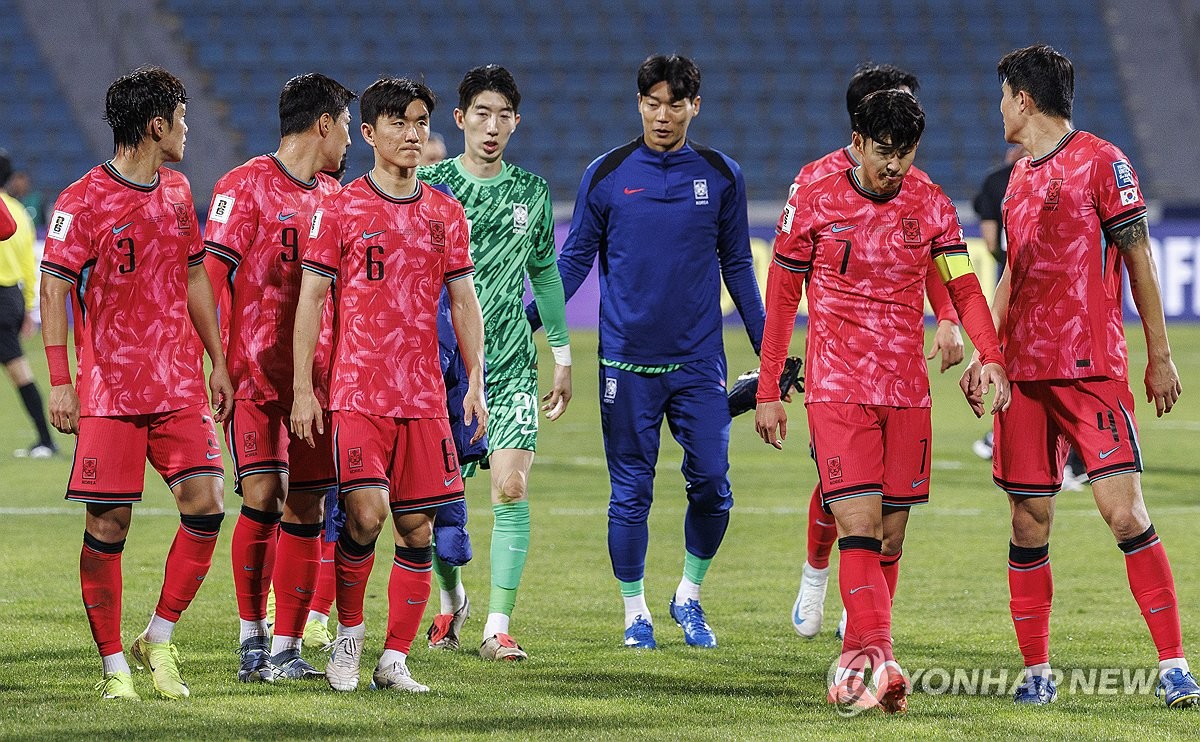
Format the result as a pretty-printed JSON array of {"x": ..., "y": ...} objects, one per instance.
[
  {"x": 562, "y": 355},
  {"x": 60, "y": 369}
]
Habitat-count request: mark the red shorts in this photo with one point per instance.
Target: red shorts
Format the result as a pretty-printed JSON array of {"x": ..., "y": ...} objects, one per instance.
[
  {"x": 1046, "y": 418},
  {"x": 111, "y": 453},
  {"x": 414, "y": 459},
  {"x": 863, "y": 450},
  {"x": 260, "y": 442}
]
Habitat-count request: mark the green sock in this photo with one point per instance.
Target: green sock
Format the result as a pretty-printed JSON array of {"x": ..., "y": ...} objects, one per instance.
[
  {"x": 447, "y": 574},
  {"x": 694, "y": 568},
  {"x": 632, "y": 589},
  {"x": 510, "y": 547}
]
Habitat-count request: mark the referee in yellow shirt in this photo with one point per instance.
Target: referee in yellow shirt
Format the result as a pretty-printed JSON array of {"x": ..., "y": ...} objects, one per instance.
[{"x": 17, "y": 284}]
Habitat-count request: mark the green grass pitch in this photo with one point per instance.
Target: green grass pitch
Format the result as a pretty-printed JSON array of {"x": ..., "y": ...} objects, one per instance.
[{"x": 763, "y": 682}]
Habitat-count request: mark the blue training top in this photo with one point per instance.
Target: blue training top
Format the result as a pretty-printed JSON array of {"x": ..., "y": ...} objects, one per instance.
[{"x": 667, "y": 226}]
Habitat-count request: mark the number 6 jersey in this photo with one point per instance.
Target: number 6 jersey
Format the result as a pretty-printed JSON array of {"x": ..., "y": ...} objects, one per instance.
[{"x": 126, "y": 248}]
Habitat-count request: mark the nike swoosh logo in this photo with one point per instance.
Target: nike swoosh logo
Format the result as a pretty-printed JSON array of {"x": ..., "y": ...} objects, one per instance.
[
  {"x": 860, "y": 587},
  {"x": 450, "y": 481},
  {"x": 410, "y": 601},
  {"x": 835, "y": 228},
  {"x": 631, "y": 191},
  {"x": 210, "y": 455},
  {"x": 302, "y": 591},
  {"x": 1022, "y": 618},
  {"x": 1156, "y": 610},
  {"x": 284, "y": 217},
  {"x": 90, "y": 606},
  {"x": 369, "y": 235},
  {"x": 918, "y": 482},
  {"x": 796, "y": 617},
  {"x": 513, "y": 548},
  {"x": 350, "y": 584},
  {"x": 1109, "y": 452},
  {"x": 249, "y": 568},
  {"x": 119, "y": 230}
]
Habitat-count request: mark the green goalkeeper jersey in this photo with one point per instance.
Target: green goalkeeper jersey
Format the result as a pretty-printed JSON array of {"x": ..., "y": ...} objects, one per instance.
[{"x": 512, "y": 234}]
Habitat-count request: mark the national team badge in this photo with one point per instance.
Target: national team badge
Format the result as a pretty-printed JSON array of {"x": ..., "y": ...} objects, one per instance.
[
  {"x": 88, "y": 473},
  {"x": 833, "y": 467},
  {"x": 520, "y": 218},
  {"x": 1123, "y": 174},
  {"x": 183, "y": 218},
  {"x": 700, "y": 191},
  {"x": 911, "y": 229},
  {"x": 1053, "y": 193},
  {"x": 250, "y": 443},
  {"x": 610, "y": 390},
  {"x": 1129, "y": 196},
  {"x": 355, "y": 459},
  {"x": 437, "y": 233}
]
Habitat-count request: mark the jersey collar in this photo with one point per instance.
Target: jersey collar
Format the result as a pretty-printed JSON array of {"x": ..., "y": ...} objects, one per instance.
[
  {"x": 308, "y": 186},
  {"x": 866, "y": 192},
  {"x": 1062, "y": 144},
  {"x": 144, "y": 187}
]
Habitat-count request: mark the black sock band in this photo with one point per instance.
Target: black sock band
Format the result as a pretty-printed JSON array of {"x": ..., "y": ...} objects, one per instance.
[
  {"x": 261, "y": 516},
  {"x": 208, "y": 525},
  {"x": 1026, "y": 555},
  {"x": 301, "y": 530},
  {"x": 1137, "y": 542},
  {"x": 103, "y": 547},
  {"x": 860, "y": 542},
  {"x": 419, "y": 555},
  {"x": 352, "y": 548}
]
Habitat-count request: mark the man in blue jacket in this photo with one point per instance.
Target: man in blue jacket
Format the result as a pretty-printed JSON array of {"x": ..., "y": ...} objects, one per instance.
[{"x": 668, "y": 219}]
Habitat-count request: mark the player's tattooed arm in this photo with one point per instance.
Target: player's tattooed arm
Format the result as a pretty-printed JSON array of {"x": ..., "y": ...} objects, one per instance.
[{"x": 1132, "y": 235}]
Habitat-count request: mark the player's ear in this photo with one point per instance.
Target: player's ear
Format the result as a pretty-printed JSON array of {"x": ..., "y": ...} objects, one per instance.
[
  {"x": 459, "y": 117},
  {"x": 325, "y": 124},
  {"x": 516, "y": 119},
  {"x": 696, "y": 106},
  {"x": 368, "y": 133}
]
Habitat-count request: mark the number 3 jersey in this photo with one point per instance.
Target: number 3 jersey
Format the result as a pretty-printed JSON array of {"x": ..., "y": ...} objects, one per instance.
[
  {"x": 258, "y": 224},
  {"x": 126, "y": 248},
  {"x": 389, "y": 258}
]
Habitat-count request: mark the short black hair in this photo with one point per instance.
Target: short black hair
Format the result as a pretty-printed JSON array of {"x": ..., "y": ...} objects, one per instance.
[
  {"x": 680, "y": 73},
  {"x": 391, "y": 96},
  {"x": 491, "y": 77},
  {"x": 1044, "y": 74},
  {"x": 305, "y": 98},
  {"x": 6, "y": 168},
  {"x": 891, "y": 117},
  {"x": 133, "y": 101},
  {"x": 869, "y": 77}
]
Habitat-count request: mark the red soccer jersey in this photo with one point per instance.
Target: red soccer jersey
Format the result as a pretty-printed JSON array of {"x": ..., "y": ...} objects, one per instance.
[
  {"x": 1064, "y": 309},
  {"x": 258, "y": 224},
  {"x": 390, "y": 258},
  {"x": 865, "y": 259},
  {"x": 126, "y": 248}
]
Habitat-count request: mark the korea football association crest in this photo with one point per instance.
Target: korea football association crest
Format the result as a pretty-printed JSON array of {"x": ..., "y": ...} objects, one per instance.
[
  {"x": 610, "y": 390},
  {"x": 437, "y": 233},
  {"x": 520, "y": 218},
  {"x": 700, "y": 191},
  {"x": 1123, "y": 174},
  {"x": 911, "y": 229}
]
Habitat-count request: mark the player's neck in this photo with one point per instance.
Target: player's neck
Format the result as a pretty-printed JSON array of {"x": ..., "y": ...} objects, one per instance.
[
  {"x": 397, "y": 182},
  {"x": 138, "y": 165},
  {"x": 1041, "y": 135},
  {"x": 480, "y": 169},
  {"x": 300, "y": 160}
]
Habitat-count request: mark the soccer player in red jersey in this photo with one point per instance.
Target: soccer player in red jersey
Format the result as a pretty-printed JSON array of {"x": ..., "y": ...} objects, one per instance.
[
  {"x": 861, "y": 242},
  {"x": 8, "y": 225},
  {"x": 258, "y": 224},
  {"x": 125, "y": 245},
  {"x": 809, "y": 607},
  {"x": 1074, "y": 215},
  {"x": 391, "y": 242}
]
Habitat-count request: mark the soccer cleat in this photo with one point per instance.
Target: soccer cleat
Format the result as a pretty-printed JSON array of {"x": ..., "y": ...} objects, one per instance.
[
  {"x": 640, "y": 635},
  {"x": 443, "y": 632},
  {"x": 36, "y": 451},
  {"x": 840, "y": 633},
  {"x": 345, "y": 655},
  {"x": 117, "y": 686},
  {"x": 852, "y": 692},
  {"x": 254, "y": 657},
  {"x": 290, "y": 666},
  {"x": 316, "y": 634},
  {"x": 502, "y": 647},
  {"x": 396, "y": 677},
  {"x": 1036, "y": 691},
  {"x": 892, "y": 688},
  {"x": 809, "y": 608},
  {"x": 1178, "y": 688},
  {"x": 690, "y": 618},
  {"x": 983, "y": 446},
  {"x": 163, "y": 661}
]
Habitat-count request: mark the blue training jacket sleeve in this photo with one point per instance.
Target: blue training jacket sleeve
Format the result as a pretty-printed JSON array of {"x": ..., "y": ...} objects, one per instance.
[{"x": 737, "y": 263}]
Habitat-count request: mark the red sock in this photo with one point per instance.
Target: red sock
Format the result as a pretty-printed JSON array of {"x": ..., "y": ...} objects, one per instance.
[
  {"x": 298, "y": 559},
  {"x": 100, "y": 577},
  {"x": 188, "y": 562},
  {"x": 322, "y": 600},
  {"x": 1153, "y": 588},
  {"x": 1031, "y": 591},
  {"x": 822, "y": 532},
  {"x": 253, "y": 552},
  {"x": 408, "y": 592},
  {"x": 865, "y": 595},
  {"x": 891, "y": 573},
  {"x": 353, "y": 562}
]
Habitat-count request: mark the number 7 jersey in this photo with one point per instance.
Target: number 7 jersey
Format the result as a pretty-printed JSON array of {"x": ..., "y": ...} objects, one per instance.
[{"x": 389, "y": 258}]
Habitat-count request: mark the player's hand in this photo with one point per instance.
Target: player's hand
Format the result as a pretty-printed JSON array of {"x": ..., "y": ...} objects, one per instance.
[
  {"x": 306, "y": 414},
  {"x": 27, "y": 326},
  {"x": 971, "y": 387},
  {"x": 993, "y": 374},
  {"x": 770, "y": 421},
  {"x": 1162, "y": 385},
  {"x": 475, "y": 409},
  {"x": 948, "y": 341},
  {"x": 559, "y": 397},
  {"x": 222, "y": 393},
  {"x": 64, "y": 408}
]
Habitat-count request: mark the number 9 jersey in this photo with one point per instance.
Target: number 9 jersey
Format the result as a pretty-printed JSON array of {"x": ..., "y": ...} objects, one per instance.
[
  {"x": 389, "y": 258},
  {"x": 126, "y": 248}
]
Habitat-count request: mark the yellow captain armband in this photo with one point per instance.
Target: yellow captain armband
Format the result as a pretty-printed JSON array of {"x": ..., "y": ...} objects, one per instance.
[{"x": 952, "y": 261}]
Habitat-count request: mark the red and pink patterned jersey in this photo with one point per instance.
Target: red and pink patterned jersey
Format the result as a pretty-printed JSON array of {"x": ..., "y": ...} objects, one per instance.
[
  {"x": 865, "y": 259},
  {"x": 126, "y": 248},
  {"x": 1064, "y": 308},
  {"x": 390, "y": 258},
  {"x": 258, "y": 225}
]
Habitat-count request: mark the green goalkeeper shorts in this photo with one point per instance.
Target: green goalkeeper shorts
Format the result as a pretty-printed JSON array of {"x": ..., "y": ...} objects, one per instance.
[{"x": 512, "y": 415}]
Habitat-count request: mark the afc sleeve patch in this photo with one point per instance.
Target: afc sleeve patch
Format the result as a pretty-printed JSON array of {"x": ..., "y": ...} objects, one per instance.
[
  {"x": 60, "y": 224},
  {"x": 221, "y": 207},
  {"x": 789, "y": 214},
  {"x": 1123, "y": 174},
  {"x": 316, "y": 225},
  {"x": 1129, "y": 196}
]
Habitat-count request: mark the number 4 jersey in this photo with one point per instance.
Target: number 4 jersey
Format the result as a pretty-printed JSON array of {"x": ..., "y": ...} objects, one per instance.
[
  {"x": 258, "y": 223},
  {"x": 126, "y": 248},
  {"x": 389, "y": 258}
]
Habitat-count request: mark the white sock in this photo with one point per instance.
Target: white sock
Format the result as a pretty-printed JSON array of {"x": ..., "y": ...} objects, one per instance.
[
  {"x": 1043, "y": 669},
  {"x": 1166, "y": 665},
  {"x": 160, "y": 629},
  {"x": 391, "y": 657},
  {"x": 253, "y": 628},
  {"x": 321, "y": 618},
  {"x": 284, "y": 643},
  {"x": 842, "y": 673},
  {"x": 883, "y": 673},
  {"x": 115, "y": 663},
  {"x": 635, "y": 605},
  {"x": 497, "y": 623},
  {"x": 686, "y": 591},
  {"x": 358, "y": 632},
  {"x": 453, "y": 600}
]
